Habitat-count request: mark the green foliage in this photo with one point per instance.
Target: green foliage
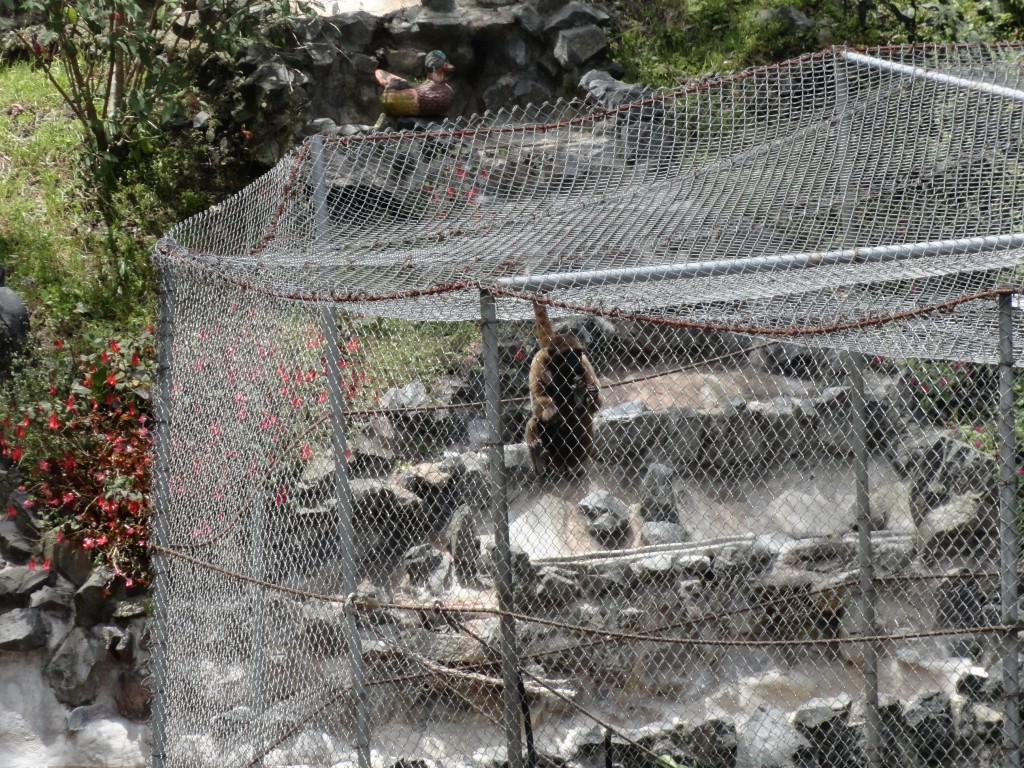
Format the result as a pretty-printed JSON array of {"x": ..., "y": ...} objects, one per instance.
[
  {"x": 129, "y": 71},
  {"x": 663, "y": 42}
]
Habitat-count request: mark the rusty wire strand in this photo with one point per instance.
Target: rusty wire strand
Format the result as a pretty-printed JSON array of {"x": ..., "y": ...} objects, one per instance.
[{"x": 596, "y": 631}]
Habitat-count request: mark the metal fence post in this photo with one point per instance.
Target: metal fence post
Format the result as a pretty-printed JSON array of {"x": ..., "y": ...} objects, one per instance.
[
  {"x": 339, "y": 447},
  {"x": 161, "y": 509},
  {"x": 346, "y": 533},
  {"x": 1009, "y": 545},
  {"x": 869, "y": 648},
  {"x": 502, "y": 540}
]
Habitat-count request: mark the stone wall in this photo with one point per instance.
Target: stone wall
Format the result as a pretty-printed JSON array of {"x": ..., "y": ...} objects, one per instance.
[
  {"x": 505, "y": 54},
  {"x": 74, "y": 655}
]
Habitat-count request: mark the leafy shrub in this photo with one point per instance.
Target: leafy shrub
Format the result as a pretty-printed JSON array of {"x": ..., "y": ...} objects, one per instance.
[{"x": 83, "y": 448}]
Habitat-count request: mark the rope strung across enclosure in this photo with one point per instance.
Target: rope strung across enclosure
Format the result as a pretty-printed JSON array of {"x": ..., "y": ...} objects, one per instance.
[{"x": 374, "y": 604}]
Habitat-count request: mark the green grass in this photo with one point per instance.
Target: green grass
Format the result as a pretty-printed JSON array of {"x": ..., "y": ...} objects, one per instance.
[{"x": 48, "y": 243}]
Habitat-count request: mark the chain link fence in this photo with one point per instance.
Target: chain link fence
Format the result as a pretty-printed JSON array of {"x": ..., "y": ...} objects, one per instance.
[{"x": 750, "y": 503}]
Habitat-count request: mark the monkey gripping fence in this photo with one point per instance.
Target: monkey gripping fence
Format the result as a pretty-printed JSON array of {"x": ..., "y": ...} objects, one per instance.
[{"x": 795, "y": 542}]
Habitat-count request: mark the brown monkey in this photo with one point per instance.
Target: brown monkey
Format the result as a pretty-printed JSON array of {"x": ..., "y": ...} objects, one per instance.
[{"x": 564, "y": 396}]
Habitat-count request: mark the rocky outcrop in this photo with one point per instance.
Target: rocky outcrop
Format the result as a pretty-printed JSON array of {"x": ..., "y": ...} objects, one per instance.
[
  {"x": 74, "y": 665},
  {"x": 506, "y": 54}
]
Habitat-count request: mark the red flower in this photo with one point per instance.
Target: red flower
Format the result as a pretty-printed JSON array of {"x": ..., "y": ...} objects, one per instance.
[
  {"x": 135, "y": 358},
  {"x": 59, "y": 343},
  {"x": 306, "y": 453},
  {"x": 114, "y": 346},
  {"x": 111, "y": 379},
  {"x": 16, "y": 453},
  {"x": 54, "y": 424},
  {"x": 31, "y": 563},
  {"x": 282, "y": 496},
  {"x": 11, "y": 511}
]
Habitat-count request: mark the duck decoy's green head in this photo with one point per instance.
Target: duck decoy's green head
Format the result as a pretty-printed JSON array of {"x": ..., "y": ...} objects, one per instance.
[{"x": 436, "y": 62}]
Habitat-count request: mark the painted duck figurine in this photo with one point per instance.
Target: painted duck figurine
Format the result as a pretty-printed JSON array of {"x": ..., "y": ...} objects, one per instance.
[{"x": 431, "y": 98}]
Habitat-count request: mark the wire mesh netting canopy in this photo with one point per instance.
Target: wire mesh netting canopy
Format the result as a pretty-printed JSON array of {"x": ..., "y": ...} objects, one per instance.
[
  {"x": 894, "y": 174},
  {"x": 751, "y": 502}
]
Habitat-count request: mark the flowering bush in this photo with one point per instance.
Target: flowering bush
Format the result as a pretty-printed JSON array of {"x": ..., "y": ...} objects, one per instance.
[{"x": 83, "y": 450}]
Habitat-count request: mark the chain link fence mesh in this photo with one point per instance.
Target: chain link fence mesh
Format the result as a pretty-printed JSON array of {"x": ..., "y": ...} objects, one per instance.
[{"x": 779, "y": 531}]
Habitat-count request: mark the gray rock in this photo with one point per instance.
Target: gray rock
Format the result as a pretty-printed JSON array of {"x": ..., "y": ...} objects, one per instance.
[
  {"x": 656, "y": 568},
  {"x": 891, "y": 728},
  {"x": 713, "y": 743},
  {"x": 54, "y": 599},
  {"x": 15, "y": 546},
  {"x": 132, "y": 695},
  {"x": 22, "y": 629},
  {"x": 961, "y": 600},
  {"x": 939, "y": 467},
  {"x": 789, "y": 18},
  {"x": 930, "y": 728},
  {"x": 67, "y": 557},
  {"x": 662, "y": 533},
  {"x": 439, "y": 6},
  {"x": 437, "y": 489},
  {"x": 658, "y": 502},
  {"x": 524, "y": 573},
  {"x": 624, "y": 432},
  {"x": 116, "y": 641},
  {"x": 954, "y": 528},
  {"x": 768, "y": 739},
  {"x": 556, "y": 587},
  {"x": 17, "y": 583},
  {"x": 429, "y": 568},
  {"x": 14, "y": 325},
  {"x": 610, "y": 529},
  {"x": 80, "y": 717},
  {"x": 514, "y": 90},
  {"x": 463, "y": 544},
  {"x": 825, "y": 725},
  {"x": 818, "y": 511},
  {"x": 71, "y": 669},
  {"x": 92, "y": 600},
  {"x": 602, "y": 502},
  {"x": 988, "y": 723},
  {"x": 579, "y": 45},
  {"x": 388, "y": 521},
  {"x": 575, "y": 14},
  {"x": 131, "y": 608}
]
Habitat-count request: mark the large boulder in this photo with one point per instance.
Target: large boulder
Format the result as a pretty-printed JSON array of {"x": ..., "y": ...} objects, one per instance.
[{"x": 14, "y": 323}]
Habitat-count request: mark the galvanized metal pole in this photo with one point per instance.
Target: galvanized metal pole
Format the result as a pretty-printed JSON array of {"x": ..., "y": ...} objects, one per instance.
[
  {"x": 502, "y": 540},
  {"x": 346, "y": 534},
  {"x": 876, "y": 254},
  {"x": 345, "y": 531},
  {"x": 161, "y": 510},
  {"x": 1009, "y": 538},
  {"x": 869, "y": 649},
  {"x": 920, "y": 73}
]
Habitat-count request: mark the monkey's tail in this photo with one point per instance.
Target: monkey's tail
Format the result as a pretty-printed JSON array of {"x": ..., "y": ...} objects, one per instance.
[{"x": 544, "y": 329}]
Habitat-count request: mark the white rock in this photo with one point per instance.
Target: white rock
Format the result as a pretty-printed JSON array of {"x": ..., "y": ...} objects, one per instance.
[{"x": 110, "y": 743}]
